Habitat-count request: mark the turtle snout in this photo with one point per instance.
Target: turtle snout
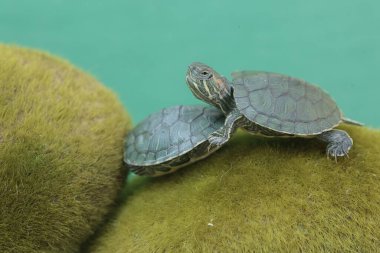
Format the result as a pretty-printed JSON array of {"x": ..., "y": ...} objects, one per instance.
[
  {"x": 192, "y": 70},
  {"x": 191, "y": 67},
  {"x": 189, "y": 73}
]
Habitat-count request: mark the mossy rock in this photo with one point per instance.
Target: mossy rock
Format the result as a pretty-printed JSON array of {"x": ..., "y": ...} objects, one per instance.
[
  {"x": 257, "y": 195},
  {"x": 61, "y": 136}
]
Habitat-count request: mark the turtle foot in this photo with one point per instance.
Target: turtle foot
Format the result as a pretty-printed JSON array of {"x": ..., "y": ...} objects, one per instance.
[
  {"x": 339, "y": 143},
  {"x": 338, "y": 149},
  {"x": 217, "y": 139}
]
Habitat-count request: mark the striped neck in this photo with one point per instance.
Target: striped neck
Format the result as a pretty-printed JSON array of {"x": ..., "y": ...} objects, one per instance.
[{"x": 215, "y": 91}]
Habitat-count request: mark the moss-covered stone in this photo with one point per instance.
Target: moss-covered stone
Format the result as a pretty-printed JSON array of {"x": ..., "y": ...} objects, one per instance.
[
  {"x": 258, "y": 195},
  {"x": 61, "y": 135}
]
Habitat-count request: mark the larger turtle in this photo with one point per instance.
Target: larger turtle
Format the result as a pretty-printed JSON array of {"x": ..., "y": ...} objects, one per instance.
[
  {"x": 172, "y": 138},
  {"x": 271, "y": 104}
]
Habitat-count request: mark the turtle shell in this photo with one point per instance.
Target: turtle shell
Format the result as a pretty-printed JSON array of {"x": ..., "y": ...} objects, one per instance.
[
  {"x": 170, "y": 133},
  {"x": 284, "y": 104}
]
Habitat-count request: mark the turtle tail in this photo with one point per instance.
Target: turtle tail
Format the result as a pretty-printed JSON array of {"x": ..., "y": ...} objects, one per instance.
[{"x": 352, "y": 122}]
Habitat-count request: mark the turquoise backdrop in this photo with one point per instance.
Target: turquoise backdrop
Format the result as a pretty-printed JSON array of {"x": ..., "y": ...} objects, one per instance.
[{"x": 141, "y": 49}]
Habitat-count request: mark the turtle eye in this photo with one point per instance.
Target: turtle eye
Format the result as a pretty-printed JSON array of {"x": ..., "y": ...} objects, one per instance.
[{"x": 206, "y": 74}]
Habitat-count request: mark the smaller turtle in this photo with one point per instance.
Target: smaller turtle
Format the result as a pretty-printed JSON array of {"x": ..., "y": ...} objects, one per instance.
[
  {"x": 171, "y": 138},
  {"x": 271, "y": 104}
]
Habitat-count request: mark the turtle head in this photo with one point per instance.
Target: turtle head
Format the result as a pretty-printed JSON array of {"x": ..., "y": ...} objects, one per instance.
[{"x": 207, "y": 85}]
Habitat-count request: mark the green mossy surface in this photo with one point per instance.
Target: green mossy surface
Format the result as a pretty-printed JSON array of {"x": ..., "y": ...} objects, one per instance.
[
  {"x": 61, "y": 135},
  {"x": 260, "y": 195}
]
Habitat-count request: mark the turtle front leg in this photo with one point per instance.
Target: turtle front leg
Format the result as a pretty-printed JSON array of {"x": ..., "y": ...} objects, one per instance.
[
  {"x": 338, "y": 142},
  {"x": 222, "y": 135}
]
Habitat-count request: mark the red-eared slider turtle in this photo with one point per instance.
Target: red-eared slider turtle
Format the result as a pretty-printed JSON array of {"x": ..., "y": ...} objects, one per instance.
[
  {"x": 270, "y": 104},
  {"x": 171, "y": 138}
]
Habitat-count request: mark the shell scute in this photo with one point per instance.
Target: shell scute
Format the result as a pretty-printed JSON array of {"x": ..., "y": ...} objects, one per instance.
[
  {"x": 302, "y": 108},
  {"x": 287, "y": 126},
  {"x": 170, "y": 133},
  {"x": 296, "y": 89}
]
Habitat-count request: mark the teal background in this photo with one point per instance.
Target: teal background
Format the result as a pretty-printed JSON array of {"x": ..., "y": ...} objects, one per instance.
[{"x": 141, "y": 49}]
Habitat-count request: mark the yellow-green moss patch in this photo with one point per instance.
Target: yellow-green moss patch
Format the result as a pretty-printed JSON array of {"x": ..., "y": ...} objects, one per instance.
[
  {"x": 258, "y": 195},
  {"x": 61, "y": 135}
]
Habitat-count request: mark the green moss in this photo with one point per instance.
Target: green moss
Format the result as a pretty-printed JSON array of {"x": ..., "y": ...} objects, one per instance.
[
  {"x": 260, "y": 195},
  {"x": 61, "y": 135}
]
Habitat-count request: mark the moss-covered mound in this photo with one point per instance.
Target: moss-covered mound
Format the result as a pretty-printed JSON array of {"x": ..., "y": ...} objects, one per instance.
[
  {"x": 61, "y": 135},
  {"x": 258, "y": 195}
]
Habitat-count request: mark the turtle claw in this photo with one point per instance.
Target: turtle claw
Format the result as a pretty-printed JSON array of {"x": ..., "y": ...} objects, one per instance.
[
  {"x": 338, "y": 150},
  {"x": 338, "y": 143}
]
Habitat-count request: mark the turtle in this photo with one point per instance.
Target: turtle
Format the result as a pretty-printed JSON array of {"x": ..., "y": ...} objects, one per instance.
[
  {"x": 171, "y": 138},
  {"x": 271, "y": 105}
]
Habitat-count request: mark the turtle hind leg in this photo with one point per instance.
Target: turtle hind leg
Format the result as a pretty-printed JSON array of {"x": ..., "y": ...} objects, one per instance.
[{"x": 338, "y": 142}]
